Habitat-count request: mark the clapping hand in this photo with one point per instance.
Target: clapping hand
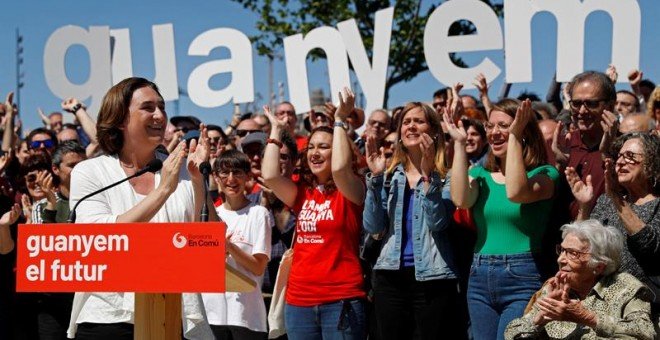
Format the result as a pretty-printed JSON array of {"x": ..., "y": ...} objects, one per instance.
[
  {"x": 346, "y": 104},
  {"x": 558, "y": 306},
  {"x": 583, "y": 191},
  {"x": 455, "y": 107},
  {"x": 375, "y": 157},
  {"x": 457, "y": 132},
  {"x": 11, "y": 216},
  {"x": 558, "y": 144},
  {"x": 524, "y": 115},
  {"x": 275, "y": 122},
  {"x": 610, "y": 125},
  {"x": 198, "y": 153}
]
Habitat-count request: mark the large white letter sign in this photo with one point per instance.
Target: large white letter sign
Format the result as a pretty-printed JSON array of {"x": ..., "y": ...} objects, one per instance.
[
  {"x": 296, "y": 49},
  {"x": 372, "y": 77},
  {"x": 97, "y": 43},
  {"x": 239, "y": 65},
  {"x": 438, "y": 45},
  {"x": 571, "y": 16},
  {"x": 122, "y": 60}
]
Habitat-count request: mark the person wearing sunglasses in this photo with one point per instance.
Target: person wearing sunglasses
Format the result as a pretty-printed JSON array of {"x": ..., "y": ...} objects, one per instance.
[
  {"x": 589, "y": 297},
  {"x": 42, "y": 140},
  {"x": 631, "y": 204},
  {"x": 592, "y": 99},
  {"x": 33, "y": 194},
  {"x": 244, "y": 128}
]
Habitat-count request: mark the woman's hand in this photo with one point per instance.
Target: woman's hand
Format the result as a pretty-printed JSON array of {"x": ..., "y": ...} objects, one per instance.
[
  {"x": 26, "y": 205},
  {"x": 612, "y": 186},
  {"x": 524, "y": 115},
  {"x": 198, "y": 153},
  {"x": 277, "y": 124},
  {"x": 457, "y": 133},
  {"x": 171, "y": 168},
  {"x": 375, "y": 157},
  {"x": 564, "y": 309},
  {"x": 427, "y": 146},
  {"x": 455, "y": 106},
  {"x": 5, "y": 160},
  {"x": 45, "y": 181},
  {"x": 11, "y": 216},
  {"x": 610, "y": 125},
  {"x": 558, "y": 149},
  {"x": 582, "y": 191},
  {"x": 346, "y": 104}
]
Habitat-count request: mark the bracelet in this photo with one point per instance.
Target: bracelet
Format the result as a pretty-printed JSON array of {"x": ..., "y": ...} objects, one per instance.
[
  {"x": 275, "y": 141},
  {"x": 341, "y": 124},
  {"x": 75, "y": 108}
]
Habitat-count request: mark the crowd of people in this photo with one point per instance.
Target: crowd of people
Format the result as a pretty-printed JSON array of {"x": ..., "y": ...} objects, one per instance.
[{"x": 460, "y": 218}]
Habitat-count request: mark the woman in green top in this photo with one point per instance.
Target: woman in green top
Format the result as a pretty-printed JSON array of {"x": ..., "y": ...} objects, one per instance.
[{"x": 510, "y": 199}]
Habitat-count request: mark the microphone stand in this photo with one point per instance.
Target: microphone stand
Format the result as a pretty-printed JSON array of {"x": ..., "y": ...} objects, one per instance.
[{"x": 205, "y": 169}]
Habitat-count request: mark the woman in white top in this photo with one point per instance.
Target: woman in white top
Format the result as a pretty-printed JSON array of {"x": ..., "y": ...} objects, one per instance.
[
  {"x": 130, "y": 126},
  {"x": 240, "y": 315}
]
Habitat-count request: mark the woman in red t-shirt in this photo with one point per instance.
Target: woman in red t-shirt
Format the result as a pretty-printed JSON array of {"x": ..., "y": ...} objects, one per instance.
[{"x": 325, "y": 293}]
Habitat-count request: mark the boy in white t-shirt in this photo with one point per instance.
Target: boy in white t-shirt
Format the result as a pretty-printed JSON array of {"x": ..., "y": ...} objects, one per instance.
[{"x": 240, "y": 315}]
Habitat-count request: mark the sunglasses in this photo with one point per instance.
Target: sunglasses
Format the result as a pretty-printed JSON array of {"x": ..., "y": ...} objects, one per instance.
[
  {"x": 590, "y": 104},
  {"x": 48, "y": 143},
  {"x": 387, "y": 143},
  {"x": 243, "y": 133},
  {"x": 215, "y": 140}
]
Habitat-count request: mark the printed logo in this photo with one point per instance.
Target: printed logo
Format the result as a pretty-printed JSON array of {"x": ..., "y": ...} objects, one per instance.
[{"x": 179, "y": 240}]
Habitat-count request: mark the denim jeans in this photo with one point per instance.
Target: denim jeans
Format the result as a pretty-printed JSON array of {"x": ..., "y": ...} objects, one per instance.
[
  {"x": 499, "y": 289},
  {"x": 336, "y": 320}
]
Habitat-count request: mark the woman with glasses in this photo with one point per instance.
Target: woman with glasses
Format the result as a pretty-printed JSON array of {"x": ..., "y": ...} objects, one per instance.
[
  {"x": 631, "y": 204},
  {"x": 588, "y": 298},
  {"x": 414, "y": 279},
  {"x": 325, "y": 291},
  {"x": 510, "y": 199},
  {"x": 240, "y": 315}
]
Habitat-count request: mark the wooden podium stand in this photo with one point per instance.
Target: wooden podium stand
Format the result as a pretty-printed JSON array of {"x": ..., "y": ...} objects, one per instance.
[{"x": 158, "y": 316}]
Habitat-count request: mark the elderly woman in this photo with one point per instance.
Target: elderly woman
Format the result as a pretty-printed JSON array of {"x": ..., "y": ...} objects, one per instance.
[
  {"x": 631, "y": 204},
  {"x": 587, "y": 298}
]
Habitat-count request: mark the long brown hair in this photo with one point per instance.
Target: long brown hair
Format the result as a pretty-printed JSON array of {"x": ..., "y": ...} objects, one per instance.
[
  {"x": 114, "y": 111},
  {"x": 534, "y": 153},
  {"x": 401, "y": 153}
]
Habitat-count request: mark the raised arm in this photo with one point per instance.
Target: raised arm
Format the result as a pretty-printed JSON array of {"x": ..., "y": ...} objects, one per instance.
[
  {"x": 8, "y": 133},
  {"x": 348, "y": 183},
  {"x": 481, "y": 84},
  {"x": 374, "y": 217},
  {"x": 519, "y": 188},
  {"x": 74, "y": 106},
  {"x": 464, "y": 191},
  {"x": 284, "y": 188}
]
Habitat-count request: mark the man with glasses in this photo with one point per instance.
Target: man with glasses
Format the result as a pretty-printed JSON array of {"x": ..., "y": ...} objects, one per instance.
[
  {"x": 41, "y": 140},
  {"x": 592, "y": 100},
  {"x": 244, "y": 129}
]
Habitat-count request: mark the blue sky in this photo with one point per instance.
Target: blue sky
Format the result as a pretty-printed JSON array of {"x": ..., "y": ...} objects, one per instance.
[{"x": 37, "y": 20}]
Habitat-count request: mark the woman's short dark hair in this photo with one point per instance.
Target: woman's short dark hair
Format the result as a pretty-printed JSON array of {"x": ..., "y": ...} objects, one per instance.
[
  {"x": 114, "y": 112},
  {"x": 534, "y": 152},
  {"x": 651, "y": 163},
  {"x": 232, "y": 160},
  {"x": 36, "y": 162}
]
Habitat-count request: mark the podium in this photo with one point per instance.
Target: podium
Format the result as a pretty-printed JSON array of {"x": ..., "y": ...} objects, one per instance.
[
  {"x": 158, "y": 316},
  {"x": 169, "y": 258}
]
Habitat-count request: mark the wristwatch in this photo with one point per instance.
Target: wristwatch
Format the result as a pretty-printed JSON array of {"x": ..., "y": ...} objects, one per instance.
[{"x": 341, "y": 124}]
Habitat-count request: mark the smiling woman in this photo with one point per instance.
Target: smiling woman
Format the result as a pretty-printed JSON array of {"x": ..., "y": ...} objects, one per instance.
[{"x": 130, "y": 126}]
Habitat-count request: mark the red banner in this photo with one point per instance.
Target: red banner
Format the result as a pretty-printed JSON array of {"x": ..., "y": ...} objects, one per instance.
[{"x": 124, "y": 257}]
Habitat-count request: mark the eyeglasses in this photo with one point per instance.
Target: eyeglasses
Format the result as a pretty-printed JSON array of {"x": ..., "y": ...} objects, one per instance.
[
  {"x": 48, "y": 143},
  {"x": 31, "y": 178},
  {"x": 184, "y": 129},
  {"x": 439, "y": 105},
  {"x": 571, "y": 254},
  {"x": 590, "y": 104},
  {"x": 243, "y": 133},
  {"x": 630, "y": 157},
  {"x": 224, "y": 174},
  {"x": 501, "y": 126},
  {"x": 215, "y": 140},
  {"x": 285, "y": 157}
]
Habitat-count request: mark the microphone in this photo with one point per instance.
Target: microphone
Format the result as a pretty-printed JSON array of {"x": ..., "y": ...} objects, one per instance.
[
  {"x": 205, "y": 169},
  {"x": 153, "y": 166}
]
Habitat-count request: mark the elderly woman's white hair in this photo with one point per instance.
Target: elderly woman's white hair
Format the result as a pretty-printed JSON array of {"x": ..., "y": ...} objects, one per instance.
[{"x": 605, "y": 242}]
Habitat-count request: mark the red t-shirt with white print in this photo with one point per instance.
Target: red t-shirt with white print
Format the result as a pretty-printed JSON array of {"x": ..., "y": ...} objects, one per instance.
[{"x": 325, "y": 264}]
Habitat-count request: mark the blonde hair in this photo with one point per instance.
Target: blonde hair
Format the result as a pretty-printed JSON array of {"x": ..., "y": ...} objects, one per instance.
[
  {"x": 401, "y": 153},
  {"x": 655, "y": 96}
]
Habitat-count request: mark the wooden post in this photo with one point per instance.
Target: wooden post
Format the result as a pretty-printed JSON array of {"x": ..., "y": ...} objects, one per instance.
[{"x": 157, "y": 316}]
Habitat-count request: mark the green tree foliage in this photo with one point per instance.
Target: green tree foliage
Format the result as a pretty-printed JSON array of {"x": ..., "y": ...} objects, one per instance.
[{"x": 281, "y": 18}]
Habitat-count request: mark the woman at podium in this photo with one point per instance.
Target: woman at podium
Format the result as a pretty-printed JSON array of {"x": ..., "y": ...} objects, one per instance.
[
  {"x": 130, "y": 127},
  {"x": 325, "y": 294}
]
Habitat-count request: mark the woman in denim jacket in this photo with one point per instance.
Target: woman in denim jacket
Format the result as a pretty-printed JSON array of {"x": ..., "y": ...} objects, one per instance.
[{"x": 415, "y": 283}]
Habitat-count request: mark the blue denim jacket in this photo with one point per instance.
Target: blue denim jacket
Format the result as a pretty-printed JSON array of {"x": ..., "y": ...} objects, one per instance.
[{"x": 383, "y": 212}]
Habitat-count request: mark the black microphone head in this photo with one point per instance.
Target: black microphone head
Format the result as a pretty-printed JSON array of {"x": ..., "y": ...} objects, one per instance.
[
  {"x": 154, "y": 165},
  {"x": 205, "y": 168}
]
